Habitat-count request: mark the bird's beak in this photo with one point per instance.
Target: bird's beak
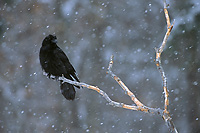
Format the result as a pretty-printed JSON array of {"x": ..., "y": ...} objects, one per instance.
[{"x": 54, "y": 41}]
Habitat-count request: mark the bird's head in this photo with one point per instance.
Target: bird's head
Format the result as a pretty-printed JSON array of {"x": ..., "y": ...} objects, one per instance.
[{"x": 50, "y": 40}]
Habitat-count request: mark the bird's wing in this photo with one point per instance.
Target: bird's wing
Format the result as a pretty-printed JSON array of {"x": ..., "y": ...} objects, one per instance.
[{"x": 69, "y": 68}]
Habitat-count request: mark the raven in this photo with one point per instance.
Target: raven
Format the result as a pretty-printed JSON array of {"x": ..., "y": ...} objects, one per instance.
[{"x": 54, "y": 62}]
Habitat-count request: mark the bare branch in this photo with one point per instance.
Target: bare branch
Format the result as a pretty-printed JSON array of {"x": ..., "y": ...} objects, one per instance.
[
  {"x": 111, "y": 102},
  {"x": 158, "y": 56},
  {"x": 101, "y": 92},
  {"x": 164, "y": 79},
  {"x": 165, "y": 38},
  {"x": 166, "y": 115},
  {"x": 169, "y": 28},
  {"x": 166, "y": 14},
  {"x": 139, "y": 105},
  {"x": 124, "y": 87}
]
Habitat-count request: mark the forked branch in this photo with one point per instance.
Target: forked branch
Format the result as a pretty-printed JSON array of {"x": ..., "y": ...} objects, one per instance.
[
  {"x": 139, "y": 106},
  {"x": 108, "y": 99}
]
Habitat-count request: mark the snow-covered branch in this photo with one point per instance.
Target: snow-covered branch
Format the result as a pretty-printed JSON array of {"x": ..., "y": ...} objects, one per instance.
[
  {"x": 101, "y": 92},
  {"x": 139, "y": 106},
  {"x": 166, "y": 115}
]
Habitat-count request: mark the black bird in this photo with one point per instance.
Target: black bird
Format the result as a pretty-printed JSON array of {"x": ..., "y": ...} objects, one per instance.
[{"x": 55, "y": 63}]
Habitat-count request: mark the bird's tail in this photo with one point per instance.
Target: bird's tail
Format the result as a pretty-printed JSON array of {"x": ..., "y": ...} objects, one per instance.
[{"x": 67, "y": 90}]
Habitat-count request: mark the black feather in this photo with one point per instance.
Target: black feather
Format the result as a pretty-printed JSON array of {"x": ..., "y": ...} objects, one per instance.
[
  {"x": 55, "y": 62},
  {"x": 68, "y": 91}
]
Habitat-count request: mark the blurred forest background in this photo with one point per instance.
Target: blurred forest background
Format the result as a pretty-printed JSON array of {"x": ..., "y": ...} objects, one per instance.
[{"x": 89, "y": 31}]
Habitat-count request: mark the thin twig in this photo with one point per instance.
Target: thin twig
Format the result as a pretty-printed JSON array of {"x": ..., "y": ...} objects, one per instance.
[
  {"x": 124, "y": 87},
  {"x": 165, "y": 38},
  {"x": 166, "y": 14},
  {"x": 166, "y": 115},
  {"x": 158, "y": 56},
  {"x": 169, "y": 28}
]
